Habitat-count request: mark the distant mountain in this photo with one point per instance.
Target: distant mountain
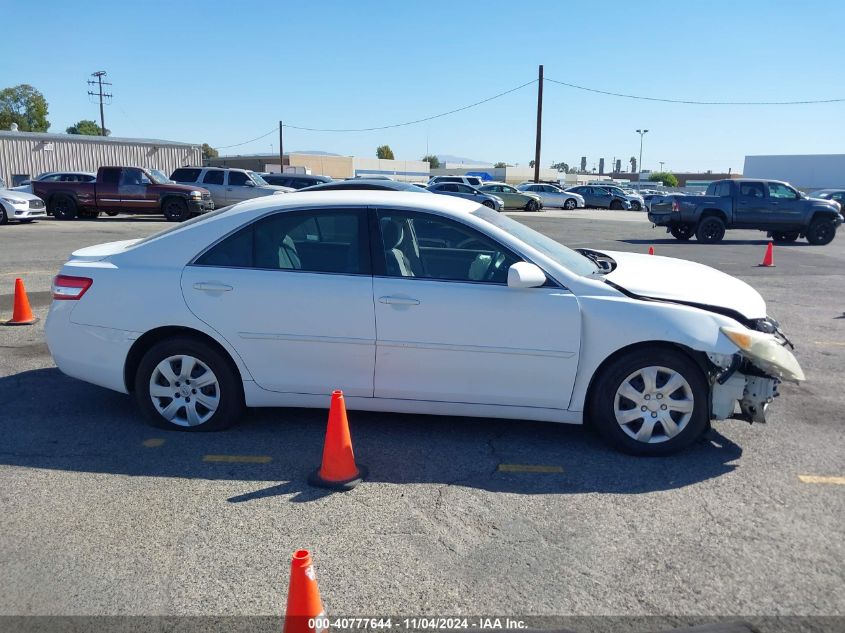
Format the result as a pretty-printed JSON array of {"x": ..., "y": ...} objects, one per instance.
[
  {"x": 315, "y": 152},
  {"x": 450, "y": 158}
]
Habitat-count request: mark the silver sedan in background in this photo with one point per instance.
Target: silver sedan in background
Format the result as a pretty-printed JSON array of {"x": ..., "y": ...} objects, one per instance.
[{"x": 553, "y": 196}]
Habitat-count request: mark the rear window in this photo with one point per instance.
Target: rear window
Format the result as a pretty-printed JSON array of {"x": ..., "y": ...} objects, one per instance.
[
  {"x": 184, "y": 174},
  {"x": 110, "y": 176}
]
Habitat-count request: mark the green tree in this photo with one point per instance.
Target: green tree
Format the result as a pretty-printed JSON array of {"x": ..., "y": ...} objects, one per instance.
[
  {"x": 431, "y": 159},
  {"x": 384, "y": 151},
  {"x": 633, "y": 161},
  {"x": 562, "y": 167},
  {"x": 667, "y": 178},
  {"x": 531, "y": 164},
  {"x": 25, "y": 106},
  {"x": 87, "y": 128},
  {"x": 500, "y": 165},
  {"x": 209, "y": 152}
]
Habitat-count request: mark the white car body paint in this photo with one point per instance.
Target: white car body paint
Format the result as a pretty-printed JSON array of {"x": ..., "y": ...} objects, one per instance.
[{"x": 465, "y": 349}]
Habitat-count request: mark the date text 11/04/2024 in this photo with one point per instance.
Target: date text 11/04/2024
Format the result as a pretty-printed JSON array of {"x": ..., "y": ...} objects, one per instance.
[{"x": 414, "y": 624}]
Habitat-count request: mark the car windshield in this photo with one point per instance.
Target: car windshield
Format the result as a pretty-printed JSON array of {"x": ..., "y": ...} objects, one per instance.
[
  {"x": 563, "y": 255},
  {"x": 258, "y": 179},
  {"x": 158, "y": 177}
]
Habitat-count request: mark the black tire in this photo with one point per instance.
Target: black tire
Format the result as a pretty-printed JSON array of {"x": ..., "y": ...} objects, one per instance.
[
  {"x": 785, "y": 237},
  {"x": 710, "y": 230},
  {"x": 229, "y": 388},
  {"x": 111, "y": 214},
  {"x": 682, "y": 232},
  {"x": 570, "y": 204},
  {"x": 603, "y": 400},
  {"x": 636, "y": 206},
  {"x": 489, "y": 204},
  {"x": 615, "y": 205},
  {"x": 821, "y": 231},
  {"x": 4, "y": 219},
  {"x": 63, "y": 207},
  {"x": 532, "y": 206},
  {"x": 174, "y": 209}
]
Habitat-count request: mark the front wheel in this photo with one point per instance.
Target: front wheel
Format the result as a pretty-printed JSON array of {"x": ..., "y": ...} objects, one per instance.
[
  {"x": 570, "y": 204},
  {"x": 4, "y": 219},
  {"x": 710, "y": 230},
  {"x": 682, "y": 232},
  {"x": 489, "y": 204},
  {"x": 111, "y": 214},
  {"x": 636, "y": 206},
  {"x": 186, "y": 385},
  {"x": 175, "y": 210},
  {"x": 650, "y": 402},
  {"x": 821, "y": 231},
  {"x": 532, "y": 206}
]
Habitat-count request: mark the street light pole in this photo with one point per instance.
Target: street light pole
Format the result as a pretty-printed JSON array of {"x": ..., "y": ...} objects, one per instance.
[
  {"x": 640, "y": 164},
  {"x": 661, "y": 165}
]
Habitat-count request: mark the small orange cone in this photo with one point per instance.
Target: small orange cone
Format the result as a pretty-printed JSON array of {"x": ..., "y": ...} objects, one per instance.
[
  {"x": 769, "y": 257},
  {"x": 304, "y": 603},
  {"x": 651, "y": 250},
  {"x": 338, "y": 470},
  {"x": 22, "y": 313}
]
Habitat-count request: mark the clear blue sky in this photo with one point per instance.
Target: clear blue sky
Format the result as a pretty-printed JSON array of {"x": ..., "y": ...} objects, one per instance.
[{"x": 225, "y": 72}]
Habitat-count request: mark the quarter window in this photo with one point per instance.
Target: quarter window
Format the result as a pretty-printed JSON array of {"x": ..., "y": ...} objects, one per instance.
[
  {"x": 426, "y": 246},
  {"x": 184, "y": 174},
  {"x": 322, "y": 242}
]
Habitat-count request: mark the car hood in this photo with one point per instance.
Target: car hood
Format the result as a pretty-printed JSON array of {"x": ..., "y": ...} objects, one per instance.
[
  {"x": 276, "y": 188},
  {"x": 685, "y": 282},
  {"x": 12, "y": 194},
  {"x": 185, "y": 188}
]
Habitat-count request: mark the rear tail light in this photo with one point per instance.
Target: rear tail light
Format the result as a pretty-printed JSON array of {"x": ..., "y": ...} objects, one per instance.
[
  {"x": 676, "y": 207},
  {"x": 68, "y": 288}
]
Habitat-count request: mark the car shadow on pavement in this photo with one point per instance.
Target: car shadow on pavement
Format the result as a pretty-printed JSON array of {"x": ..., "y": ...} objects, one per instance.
[
  {"x": 51, "y": 421},
  {"x": 724, "y": 242}
]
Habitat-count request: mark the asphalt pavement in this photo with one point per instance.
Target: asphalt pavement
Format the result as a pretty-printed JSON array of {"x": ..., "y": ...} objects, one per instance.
[{"x": 101, "y": 514}]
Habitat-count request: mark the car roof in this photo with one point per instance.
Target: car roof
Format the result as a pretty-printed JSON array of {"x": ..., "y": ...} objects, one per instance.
[{"x": 339, "y": 185}]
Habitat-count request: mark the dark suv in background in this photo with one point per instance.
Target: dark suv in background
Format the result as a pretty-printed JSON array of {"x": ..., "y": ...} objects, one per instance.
[{"x": 294, "y": 181}]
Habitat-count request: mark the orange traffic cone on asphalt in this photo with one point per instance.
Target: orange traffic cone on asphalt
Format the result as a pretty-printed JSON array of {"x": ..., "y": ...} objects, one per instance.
[
  {"x": 769, "y": 257},
  {"x": 651, "y": 250},
  {"x": 304, "y": 611},
  {"x": 338, "y": 470},
  {"x": 21, "y": 313}
]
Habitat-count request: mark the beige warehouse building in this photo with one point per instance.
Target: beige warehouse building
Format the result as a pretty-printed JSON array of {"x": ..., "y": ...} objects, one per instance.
[{"x": 24, "y": 155}]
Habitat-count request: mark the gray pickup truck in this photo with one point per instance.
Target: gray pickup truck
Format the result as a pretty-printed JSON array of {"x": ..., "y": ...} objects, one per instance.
[{"x": 766, "y": 205}]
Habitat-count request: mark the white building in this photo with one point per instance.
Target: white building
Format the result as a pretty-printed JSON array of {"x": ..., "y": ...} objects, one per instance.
[{"x": 807, "y": 171}]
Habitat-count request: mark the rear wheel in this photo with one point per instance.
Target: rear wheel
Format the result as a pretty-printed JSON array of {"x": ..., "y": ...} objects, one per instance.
[
  {"x": 681, "y": 232},
  {"x": 570, "y": 204},
  {"x": 821, "y": 231},
  {"x": 615, "y": 205},
  {"x": 710, "y": 230},
  {"x": 174, "y": 209},
  {"x": 186, "y": 385},
  {"x": 650, "y": 402},
  {"x": 4, "y": 219},
  {"x": 785, "y": 237},
  {"x": 63, "y": 207}
]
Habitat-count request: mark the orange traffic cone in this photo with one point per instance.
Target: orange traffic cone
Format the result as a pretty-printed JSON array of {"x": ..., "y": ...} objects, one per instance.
[
  {"x": 304, "y": 613},
  {"x": 338, "y": 470},
  {"x": 22, "y": 313},
  {"x": 651, "y": 250},
  {"x": 769, "y": 257}
]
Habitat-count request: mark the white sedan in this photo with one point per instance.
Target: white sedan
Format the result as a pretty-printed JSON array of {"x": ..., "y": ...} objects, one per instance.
[
  {"x": 414, "y": 304},
  {"x": 553, "y": 196},
  {"x": 20, "y": 206}
]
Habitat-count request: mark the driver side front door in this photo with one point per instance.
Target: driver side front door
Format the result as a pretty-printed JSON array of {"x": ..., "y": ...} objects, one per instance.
[{"x": 448, "y": 327}]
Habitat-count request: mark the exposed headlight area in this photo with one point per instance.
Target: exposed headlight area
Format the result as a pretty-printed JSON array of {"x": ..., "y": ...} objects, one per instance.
[
  {"x": 766, "y": 352},
  {"x": 196, "y": 195},
  {"x": 15, "y": 201}
]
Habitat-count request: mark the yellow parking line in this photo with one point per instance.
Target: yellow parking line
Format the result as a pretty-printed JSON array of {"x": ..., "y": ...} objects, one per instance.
[
  {"x": 153, "y": 442},
  {"x": 819, "y": 479},
  {"x": 833, "y": 343},
  {"x": 528, "y": 468},
  {"x": 238, "y": 459}
]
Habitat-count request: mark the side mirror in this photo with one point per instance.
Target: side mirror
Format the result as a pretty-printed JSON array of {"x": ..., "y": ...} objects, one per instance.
[
  {"x": 525, "y": 275},
  {"x": 249, "y": 183}
]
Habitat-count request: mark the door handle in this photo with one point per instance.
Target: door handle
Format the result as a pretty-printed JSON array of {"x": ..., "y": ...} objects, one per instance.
[
  {"x": 210, "y": 286},
  {"x": 399, "y": 301}
]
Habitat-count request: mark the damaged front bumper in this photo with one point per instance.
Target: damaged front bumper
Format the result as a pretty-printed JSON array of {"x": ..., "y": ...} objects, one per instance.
[{"x": 752, "y": 375}]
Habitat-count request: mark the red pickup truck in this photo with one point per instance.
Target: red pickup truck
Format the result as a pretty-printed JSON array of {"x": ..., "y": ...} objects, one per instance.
[{"x": 123, "y": 190}]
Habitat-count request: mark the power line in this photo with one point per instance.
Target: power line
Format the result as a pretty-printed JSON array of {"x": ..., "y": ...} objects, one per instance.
[
  {"x": 690, "y": 102},
  {"x": 382, "y": 127}
]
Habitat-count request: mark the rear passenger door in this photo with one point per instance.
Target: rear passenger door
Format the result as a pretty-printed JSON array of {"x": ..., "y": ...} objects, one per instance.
[
  {"x": 752, "y": 205},
  {"x": 213, "y": 181}
]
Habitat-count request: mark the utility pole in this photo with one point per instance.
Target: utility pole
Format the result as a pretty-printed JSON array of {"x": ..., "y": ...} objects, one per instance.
[
  {"x": 640, "y": 164},
  {"x": 101, "y": 95},
  {"x": 539, "y": 124},
  {"x": 661, "y": 165},
  {"x": 281, "y": 149}
]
